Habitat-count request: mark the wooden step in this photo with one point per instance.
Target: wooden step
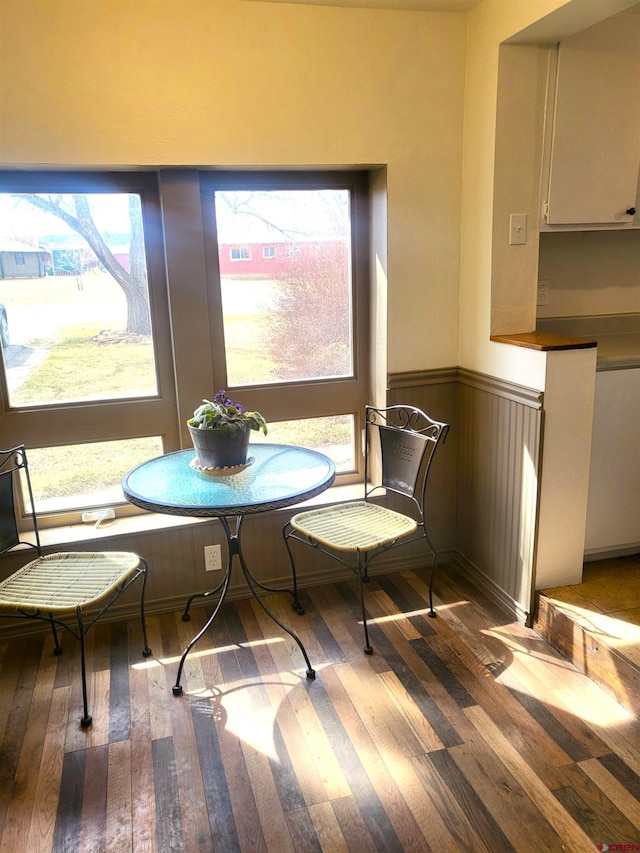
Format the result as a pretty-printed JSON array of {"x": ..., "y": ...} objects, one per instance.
[{"x": 602, "y": 646}]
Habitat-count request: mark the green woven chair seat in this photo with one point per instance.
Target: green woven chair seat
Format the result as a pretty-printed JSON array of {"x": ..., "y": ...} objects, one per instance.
[
  {"x": 356, "y": 526},
  {"x": 62, "y": 582}
]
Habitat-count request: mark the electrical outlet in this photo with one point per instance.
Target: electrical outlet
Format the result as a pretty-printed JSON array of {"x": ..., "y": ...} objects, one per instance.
[
  {"x": 543, "y": 292},
  {"x": 212, "y": 558}
]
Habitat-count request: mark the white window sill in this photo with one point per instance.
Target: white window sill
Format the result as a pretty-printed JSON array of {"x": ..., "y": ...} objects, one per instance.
[{"x": 79, "y": 534}]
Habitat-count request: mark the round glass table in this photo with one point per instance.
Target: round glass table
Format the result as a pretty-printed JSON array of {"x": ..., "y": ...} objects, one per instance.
[{"x": 276, "y": 476}]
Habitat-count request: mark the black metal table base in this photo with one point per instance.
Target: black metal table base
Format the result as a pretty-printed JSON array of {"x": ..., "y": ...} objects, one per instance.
[{"x": 235, "y": 550}]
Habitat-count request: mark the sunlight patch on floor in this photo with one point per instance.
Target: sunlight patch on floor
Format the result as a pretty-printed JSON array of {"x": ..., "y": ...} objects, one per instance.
[
  {"x": 200, "y": 653},
  {"x": 395, "y": 617},
  {"x": 603, "y": 710}
]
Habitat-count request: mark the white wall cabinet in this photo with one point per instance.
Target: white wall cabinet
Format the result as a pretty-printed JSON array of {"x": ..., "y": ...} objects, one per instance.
[{"x": 593, "y": 128}]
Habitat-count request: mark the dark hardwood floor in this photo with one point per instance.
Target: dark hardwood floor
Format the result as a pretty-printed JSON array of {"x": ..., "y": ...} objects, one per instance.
[{"x": 463, "y": 733}]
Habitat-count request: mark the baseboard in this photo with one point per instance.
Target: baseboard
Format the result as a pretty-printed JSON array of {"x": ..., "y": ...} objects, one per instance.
[
  {"x": 610, "y": 553},
  {"x": 493, "y": 591}
]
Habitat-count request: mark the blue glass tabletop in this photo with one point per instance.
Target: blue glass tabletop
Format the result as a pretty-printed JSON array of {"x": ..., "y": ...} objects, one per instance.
[{"x": 278, "y": 476}]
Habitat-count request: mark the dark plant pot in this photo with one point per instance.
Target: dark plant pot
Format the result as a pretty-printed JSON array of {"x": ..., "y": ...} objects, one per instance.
[{"x": 219, "y": 449}]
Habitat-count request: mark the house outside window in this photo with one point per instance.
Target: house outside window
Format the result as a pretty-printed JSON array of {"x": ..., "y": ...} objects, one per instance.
[
  {"x": 268, "y": 252},
  {"x": 98, "y": 394}
]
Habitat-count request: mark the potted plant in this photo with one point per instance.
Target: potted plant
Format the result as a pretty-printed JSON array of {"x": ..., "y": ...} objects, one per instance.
[{"x": 220, "y": 430}]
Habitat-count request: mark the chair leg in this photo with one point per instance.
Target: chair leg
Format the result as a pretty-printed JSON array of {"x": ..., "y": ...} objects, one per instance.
[
  {"x": 146, "y": 651},
  {"x": 86, "y": 720},
  {"x": 57, "y": 648},
  {"x": 432, "y": 613},
  {"x": 365, "y": 569},
  {"x": 362, "y": 576},
  {"x": 286, "y": 531}
]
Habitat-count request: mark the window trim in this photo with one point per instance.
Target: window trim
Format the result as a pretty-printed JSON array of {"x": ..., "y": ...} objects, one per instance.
[
  {"x": 298, "y": 399},
  {"x": 244, "y": 253}
]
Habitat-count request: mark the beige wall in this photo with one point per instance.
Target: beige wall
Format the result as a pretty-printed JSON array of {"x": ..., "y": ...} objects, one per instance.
[{"x": 225, "y": 83}]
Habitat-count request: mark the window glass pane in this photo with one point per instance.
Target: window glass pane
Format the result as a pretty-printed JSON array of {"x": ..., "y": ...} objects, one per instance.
[
  {"x": 332, "y": 436},
  {"x": 287, "y": 298},
  {"x": 74, "y": 302},
  {"x": 85, "y": 475}
]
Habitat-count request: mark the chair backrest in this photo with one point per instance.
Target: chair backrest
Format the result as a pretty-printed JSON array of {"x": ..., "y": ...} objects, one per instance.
[
  {"x": 12, "y": 462},
  {"x": 407, "y": 442}
]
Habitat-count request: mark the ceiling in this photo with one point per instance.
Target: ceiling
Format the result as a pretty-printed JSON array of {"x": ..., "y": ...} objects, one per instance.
[{"x": 397, "y": 5}]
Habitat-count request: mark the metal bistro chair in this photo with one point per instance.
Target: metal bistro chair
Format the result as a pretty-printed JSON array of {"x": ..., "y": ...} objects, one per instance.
[
  {"x": 60, "y": 586},
  {"x": 407, "y": 440}
]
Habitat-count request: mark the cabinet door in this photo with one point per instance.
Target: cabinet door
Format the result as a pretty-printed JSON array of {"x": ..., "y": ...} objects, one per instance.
[
  {"x": 613, "y": 520},
  {"x": 595, "y": 152}
]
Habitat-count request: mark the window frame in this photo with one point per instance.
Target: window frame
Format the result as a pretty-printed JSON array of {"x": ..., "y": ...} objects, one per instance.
[
  {"x": 183, "y": 278},
  {"x": 60, "y": 424},
  {"x": 243, "y": 253},
  {"x": 310, "y": 398}
]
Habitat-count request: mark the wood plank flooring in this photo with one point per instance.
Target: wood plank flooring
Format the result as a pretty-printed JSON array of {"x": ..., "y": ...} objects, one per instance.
[{"x": 462, "y": 733}]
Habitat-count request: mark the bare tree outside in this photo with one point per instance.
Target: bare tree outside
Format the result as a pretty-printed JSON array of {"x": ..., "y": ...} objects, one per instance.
[
  {"x": 74, "y": 290},
  {"x": 75, "y": 211},
  {"x": 310, "y": 325},
  {"x": 310, "y": 332}
]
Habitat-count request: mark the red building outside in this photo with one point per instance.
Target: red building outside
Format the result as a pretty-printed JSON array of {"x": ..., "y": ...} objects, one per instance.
[{"x": 275, "y": 258}]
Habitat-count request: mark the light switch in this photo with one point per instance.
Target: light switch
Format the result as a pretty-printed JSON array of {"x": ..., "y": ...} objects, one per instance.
[{"x": 517, "y": 229}]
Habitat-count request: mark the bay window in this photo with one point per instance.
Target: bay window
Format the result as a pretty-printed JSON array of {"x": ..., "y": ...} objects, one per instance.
[{"x": 130, "y": 307}]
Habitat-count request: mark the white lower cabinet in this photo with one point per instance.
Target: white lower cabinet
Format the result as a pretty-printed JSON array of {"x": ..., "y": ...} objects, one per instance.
[{"x": 613, "y": 513}]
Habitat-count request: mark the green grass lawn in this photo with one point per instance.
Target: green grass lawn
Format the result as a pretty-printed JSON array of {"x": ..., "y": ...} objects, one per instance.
[
  {"x": 249, "y": 359},
  {"x": 89, "y": 474},
  {"x": 94, "y": 287},
  {"x": 78, "y": 369}
]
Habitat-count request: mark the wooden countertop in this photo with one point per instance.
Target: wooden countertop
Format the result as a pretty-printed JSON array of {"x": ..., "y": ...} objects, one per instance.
[{"x": 544, "y": 341}]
